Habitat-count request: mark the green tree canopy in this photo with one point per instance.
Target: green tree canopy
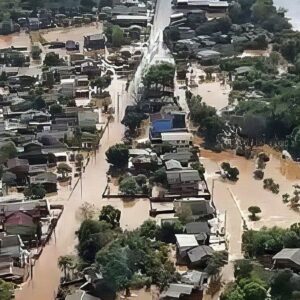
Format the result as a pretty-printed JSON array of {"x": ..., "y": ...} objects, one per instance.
[
  {"x": 110, "y": 215},
  {"x": 160, "y": 75},
  {"x": 118, "y": 155}
]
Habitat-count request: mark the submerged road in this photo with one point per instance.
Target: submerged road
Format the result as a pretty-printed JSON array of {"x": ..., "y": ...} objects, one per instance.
[{"x": 46, "y": 274}]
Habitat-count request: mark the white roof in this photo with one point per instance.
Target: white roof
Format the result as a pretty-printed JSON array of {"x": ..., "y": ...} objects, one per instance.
[
  {"x": 130, "y": 17},
  {"x": 186, "y": 240},
  {"x": 68, "y": 80},
  {"x": 170, "y": 136}
]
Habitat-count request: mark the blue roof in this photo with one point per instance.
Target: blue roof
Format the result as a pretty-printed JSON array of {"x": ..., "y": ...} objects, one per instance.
[{"x": 163, "y": 125}]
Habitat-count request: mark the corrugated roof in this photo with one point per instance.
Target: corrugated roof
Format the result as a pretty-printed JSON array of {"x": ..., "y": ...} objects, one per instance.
[
  {"x": 198, "y": 253},
  {"x": 186, "y": 240},
  {"x": 290, "y": 254}
]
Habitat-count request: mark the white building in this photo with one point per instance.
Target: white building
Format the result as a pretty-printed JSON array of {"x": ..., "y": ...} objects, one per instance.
[{"x": 178, "y": 139}]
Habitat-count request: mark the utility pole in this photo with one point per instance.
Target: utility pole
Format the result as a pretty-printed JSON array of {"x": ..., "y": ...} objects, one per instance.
[{"x": 118, "y": 106}]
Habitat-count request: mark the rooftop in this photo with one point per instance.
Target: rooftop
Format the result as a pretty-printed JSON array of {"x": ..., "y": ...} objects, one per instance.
[
  {"x": 186, "y": 240},
  {"x": 290, "y": 254}
]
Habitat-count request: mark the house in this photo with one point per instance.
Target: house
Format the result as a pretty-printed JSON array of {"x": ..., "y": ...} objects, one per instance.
[
  {"x": 184, "y": 157},
  {"x": 127, "y": 20},
  {"x": 173, "y": 165},
  {"x": 184, "y": 243},
  {"x": 288, "y": 258},
  {"x": 35, "y": 208},
  {"x": 22, "y": 223},
  {"x": 199, "y": 256},
  {"x": 208, "y": 56},
  {"x": 33, "y": 24},
  {"x": 183, "y": 182},
  {"x": 94, "y": 42},
  {"x": 11, "y": 246},
  {"x": 88, "y": 118},
  {"x": 19, "y": 167},
  {"x": 201, "y": 230},
  {"x": 195, "y": 278},
  {"x": 166, "y": 122},
  {"x": 200, "y": 207},
  {"x": 68, "y": 87},
  {"x": 177, "y": 139},
  {"x": 47, "y": 179},
  {"x": 177, "y": 291},
  {"x": 33, "y": 153},
  {"x": 72, "y": 45}
]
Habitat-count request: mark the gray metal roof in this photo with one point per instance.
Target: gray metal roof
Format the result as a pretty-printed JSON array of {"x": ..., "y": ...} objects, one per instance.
[
  {"x": 200, "y": 252},
  {"x": 176, "y": 290},
  {"x": 290, "y": 254},
  {"x": 173, "y": 164},
  {"x": 197, "y": 227}
]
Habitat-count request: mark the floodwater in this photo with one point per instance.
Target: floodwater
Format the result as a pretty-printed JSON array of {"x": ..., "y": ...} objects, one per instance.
[
  {"x": 46, "y": 273},
  {"x": 73, "y": 33},
  {"x": 19, "y": 39},
  {"x": 248, "y": 191}
]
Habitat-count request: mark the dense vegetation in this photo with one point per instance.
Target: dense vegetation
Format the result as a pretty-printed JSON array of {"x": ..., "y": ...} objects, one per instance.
[{"x": 270, "y": 240}]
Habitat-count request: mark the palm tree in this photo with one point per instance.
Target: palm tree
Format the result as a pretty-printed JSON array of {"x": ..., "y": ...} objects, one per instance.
[{"x": 65, "y": 262}]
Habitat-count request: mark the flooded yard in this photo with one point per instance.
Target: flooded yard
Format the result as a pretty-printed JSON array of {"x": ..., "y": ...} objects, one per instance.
[
  {"x": 72, "y": 33},
  {"x": 248, "y": 191}
]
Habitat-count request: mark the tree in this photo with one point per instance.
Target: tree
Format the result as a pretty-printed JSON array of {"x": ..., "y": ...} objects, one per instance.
[
  {"x": 160, "y": 75},
  {"x": 93, "y": 236},
  {"x": 104, "y": 3},
  {"x": 184, "y": 214},
  {"x": 110, "y": 215},
  {"x": 235, "y": 11},
  {"x": 149, "y": 229},
  {"x": 7, "y": 151},
  {"x": 101, "y": 83},
  {"x": 254, "y": 210},
  {"x": 55, "y": 109},
  {"x": 242, "y": 269},
  {"x": 64, "y": 169},
  {"x": 233, "y": 174},
  {"x": 38, "y": 103},
  {"x": 6, "y": 290},
  {"x": 216, "y": 262},
  {"x": 117, "y": 36},
  {"x": 118, "y": 155},
  {"x": 281, "y": 287},
  {"x": 87, "y": 4},
  {"x": 211, "y": 128},
  {"x": 166, "y": 233},
  {"x": 87, "y": 211},
  {"x": 35, "y": 52},
  {"x": 254, "y": 291},
  {"x": 200, "y": 168},
  {"x": 52, "y": 59},
  {"x": 35, "y": 191},
  {"x": 133, "y": 120},
  {"x": 129, "y": 186},
  {"x": 65, "y": 262},
  {"x": 232, "y": 292},
  {"x": 159, "y": 176}
]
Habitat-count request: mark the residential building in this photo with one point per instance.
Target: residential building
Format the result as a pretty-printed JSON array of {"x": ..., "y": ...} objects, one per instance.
[
  {"x": 184, "y": 243},
  {"x": 127, "y": 20},
  {"x": 183, "y": 182},
  {"x": 88, "y": 118},
  {"x": 200, "y": 207},
  {"x": 288, "y": 258},
  {"x": 201, "y": 230},
  {"x": 177, "y": 139},
  {"x": 198, "y": 256},
  {"x": 94, "y": 42}
]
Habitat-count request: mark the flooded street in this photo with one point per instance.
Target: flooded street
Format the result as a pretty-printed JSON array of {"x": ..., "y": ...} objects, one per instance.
[{"x": 46, "y": 273}]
